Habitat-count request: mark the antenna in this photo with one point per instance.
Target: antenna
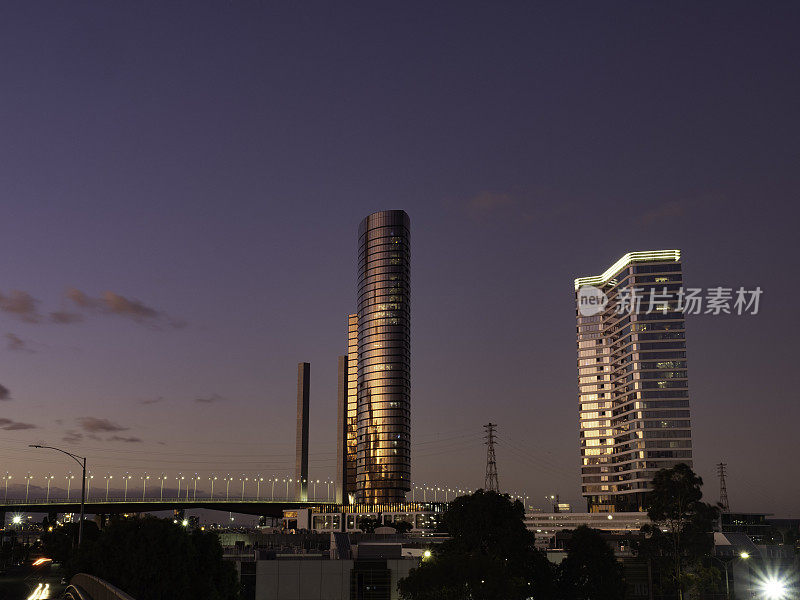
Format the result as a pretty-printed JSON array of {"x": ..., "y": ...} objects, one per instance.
[
  {"x": 723, "y": 489},
  {"x": 491, "y": 484}
]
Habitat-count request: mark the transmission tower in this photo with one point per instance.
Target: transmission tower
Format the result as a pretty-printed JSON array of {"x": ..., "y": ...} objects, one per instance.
[
  {"x": 491, "y": 484},
  {"x": 723, "y": 489}
]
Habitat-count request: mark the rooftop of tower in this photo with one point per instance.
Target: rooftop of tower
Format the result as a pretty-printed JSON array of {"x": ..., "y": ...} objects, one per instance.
[{"x": 630, "y": 257}]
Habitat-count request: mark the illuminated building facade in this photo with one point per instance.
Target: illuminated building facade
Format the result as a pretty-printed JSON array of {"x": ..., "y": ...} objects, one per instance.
[
  {"x": 383, "y": 420},
  {"x": 347, "y": 425},
  {"x": 633, "y": 387}
]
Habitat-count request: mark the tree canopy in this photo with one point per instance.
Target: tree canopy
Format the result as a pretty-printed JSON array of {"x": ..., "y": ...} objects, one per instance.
[
  {"x": 154, "y": 559},
  {"x": 590, "y": 570},
  {"x": 490, "y": 555}
]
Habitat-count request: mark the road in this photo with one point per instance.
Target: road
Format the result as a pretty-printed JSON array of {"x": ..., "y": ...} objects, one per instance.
[{"x": 31, "y": 585}]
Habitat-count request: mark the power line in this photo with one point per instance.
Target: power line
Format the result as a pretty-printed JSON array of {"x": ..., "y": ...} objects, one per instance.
[{"x": 723, "y": 488}]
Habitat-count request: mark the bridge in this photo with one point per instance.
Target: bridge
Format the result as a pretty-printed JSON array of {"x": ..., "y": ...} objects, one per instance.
[{"x": 271, "y": 507}]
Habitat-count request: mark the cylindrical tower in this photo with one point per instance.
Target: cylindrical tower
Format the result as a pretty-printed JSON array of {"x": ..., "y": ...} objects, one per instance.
[{"x": 383, "y": 465}]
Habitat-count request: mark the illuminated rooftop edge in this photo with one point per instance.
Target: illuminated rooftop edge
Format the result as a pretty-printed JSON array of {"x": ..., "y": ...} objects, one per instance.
[{"x": 630, "y": 257}]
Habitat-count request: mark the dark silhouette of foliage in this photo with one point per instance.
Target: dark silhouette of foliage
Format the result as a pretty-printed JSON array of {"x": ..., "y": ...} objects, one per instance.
[
  {"x": 155, "y": 559},
  {"x": 368, "y": 524},
  {"x": 590, "y": 570},
  {"x": 490, "y": 555},
  {"x": 682, "y": 531}
]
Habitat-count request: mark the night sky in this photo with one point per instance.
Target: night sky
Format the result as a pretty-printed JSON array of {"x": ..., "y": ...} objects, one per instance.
[{"x": 181, "y": 185}]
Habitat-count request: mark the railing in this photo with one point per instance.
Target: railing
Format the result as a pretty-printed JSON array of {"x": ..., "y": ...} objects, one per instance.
[
  {"x": 89, "y": 587},
  {"x": 149, "y": 500}
]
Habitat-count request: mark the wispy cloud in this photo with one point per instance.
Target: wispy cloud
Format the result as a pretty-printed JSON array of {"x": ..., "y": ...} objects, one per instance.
[
  {"x": 9, "y": 425},
  {"x": 16, "y": 343},
  {"x": 148, "y": 401},
  {"x": 72, "y": 437},
  {"x": 128, "y": 440},
  {"x": 209, "y": 399},
  {"x": 95, "y": 425},
  {"x": 5, "y": 393},
  {"x": 111, "y": 303},
  {"x": 65, "y": 317},
  {"x": 21, "y": 305}
]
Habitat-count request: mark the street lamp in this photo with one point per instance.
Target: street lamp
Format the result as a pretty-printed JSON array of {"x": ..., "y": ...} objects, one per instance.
[
  {"x": 287, "y": 487},
  {"x": 145, "y": 477},
  {"x": 315, "y": 482},
  {"x": 272, "y": 497},
  {"x": 28, "y": 478},
  {"x": 89, "y": 483},
  {"x": 743, "y": 556},
  {"x": 179, "y": 478},
  {"x": 127, "y": 478},
  {"x": 70, "y": 477},
  {"x": 108, "y": 478},
  {"x": 243, "y": 479},
  {"x": 6, "y": 477},
  {"x": 81, "y": 460},
  {"x": 227, "y": 481},
  {"x": 49, "y": 478},
  {"x": 163, "y": 478},
  {"x": 196, "y": 479},
  {"x": 212, "y": 479},
  {"x": 259, "y": 480},
  {"x": 329, "y": 489}
]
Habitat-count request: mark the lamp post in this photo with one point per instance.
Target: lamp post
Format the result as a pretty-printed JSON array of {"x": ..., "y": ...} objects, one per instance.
[
  {"x": 743, "y": 556},
  {"x": 145, "y": 477},
  {"x": 259, "y": 480},
  {"x": 179, "y": 478},
  {"x": 196, "y": 479},
  {"x": 6, "y": 477},
  {"x": 49, "y": 478},
  {"x": 163, "y": 478},
  {"x": 70, "y": 477},
  {"x": 81, "y": 460},
  {"x": 212, "y": 479},
  {"x": 315, "y": 482},
  {"x": 108, "y": 478},
  {"x": 227, "y": 481},
  {"x": 89, "y": 478},
  {"x": 243, "y": 479},
  {"x": 273, "y": 480},
  {"x": 28, "y": 478},
  {"x": 127, "y": 478},
  {"x": 287, "y": 487}
]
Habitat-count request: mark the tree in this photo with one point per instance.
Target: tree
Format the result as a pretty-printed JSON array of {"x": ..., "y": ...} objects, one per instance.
[
  {"x": 682, "y": 523},
  {"x": 369, "y": 524},
  {"x": 490, "y": 555},
  {"x": 590, "y": 570},
  {"x": 151, "y": 559}
]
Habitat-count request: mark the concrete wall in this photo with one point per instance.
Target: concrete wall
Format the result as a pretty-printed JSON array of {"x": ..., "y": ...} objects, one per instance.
[{"x": 303, "y": 579}]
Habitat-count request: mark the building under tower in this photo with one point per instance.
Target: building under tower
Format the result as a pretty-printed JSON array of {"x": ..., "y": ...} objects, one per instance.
[{"x": 632, "y": 376}]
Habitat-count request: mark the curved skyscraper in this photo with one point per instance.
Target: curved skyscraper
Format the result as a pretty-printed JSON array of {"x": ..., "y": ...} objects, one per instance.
[{"x": 383, "y": 457}]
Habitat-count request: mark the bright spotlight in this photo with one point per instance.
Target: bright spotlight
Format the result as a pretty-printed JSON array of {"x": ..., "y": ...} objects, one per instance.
[
  {"x": 774, "y": 589},
  {"x": 16, "y": 519},
  {"x": 185, "y": 522}
]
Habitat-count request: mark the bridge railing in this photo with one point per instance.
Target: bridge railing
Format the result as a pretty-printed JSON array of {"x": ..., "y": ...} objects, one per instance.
[
  {"x": 89, "y": 587},
  {"x": 156, "y": 499}
]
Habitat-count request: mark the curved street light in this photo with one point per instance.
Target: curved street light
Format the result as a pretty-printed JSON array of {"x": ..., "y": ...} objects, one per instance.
[{"x": 81, "y": 460}]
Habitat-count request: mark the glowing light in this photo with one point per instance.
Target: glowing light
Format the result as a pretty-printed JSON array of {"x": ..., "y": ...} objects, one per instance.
[
  {"x": 185, "y": 522},
  {"x": 629, "y": 258},
  {"x": 774, "y": 589},
  {"x": 744, "y": 555},
  {"x": 41, "y": 561},
  {"x": 426, "y": 554},
  {"x": 16, "y": 519}
]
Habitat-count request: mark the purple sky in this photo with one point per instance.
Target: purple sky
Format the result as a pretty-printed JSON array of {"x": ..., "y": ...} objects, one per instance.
[{"x": 187, "y": 181}]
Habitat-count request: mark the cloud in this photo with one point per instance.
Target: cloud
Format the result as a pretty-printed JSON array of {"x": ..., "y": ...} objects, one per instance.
[
  {"x": 147, "y": 401},
  {"x": 16, "y": 344},
  {"x": 72, "y": 437},
  {"x": 209, "y": 399},
  {"x": 64, "y": 317},
  {"x": 119, "y": 438},
  {"x": 10, "y": 425},
  {"x": 111, "y": 303},
  {"x": 94, "y": 425},
  {"x": 20, "y": 304},
  {"x": 5, "y": 393},
  {"x": 666, "y": 211}
]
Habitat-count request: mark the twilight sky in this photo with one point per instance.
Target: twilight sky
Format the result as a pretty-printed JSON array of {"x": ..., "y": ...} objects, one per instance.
[{"x": 180, "y": 188}]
